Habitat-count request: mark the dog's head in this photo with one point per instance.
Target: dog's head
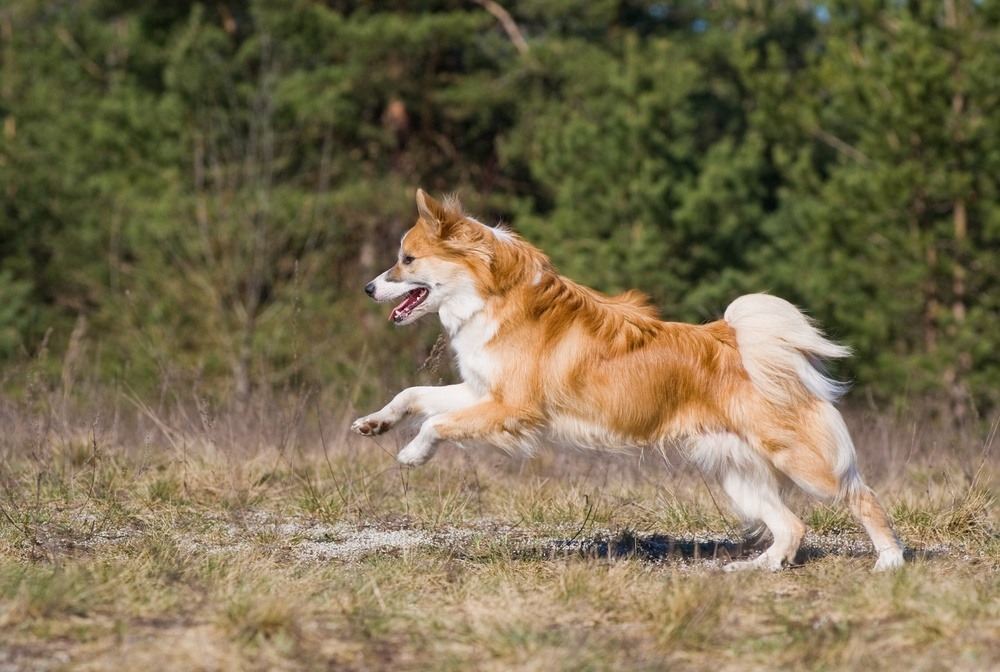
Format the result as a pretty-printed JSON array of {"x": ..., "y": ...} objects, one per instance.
[{"x": 445, "y": 265}]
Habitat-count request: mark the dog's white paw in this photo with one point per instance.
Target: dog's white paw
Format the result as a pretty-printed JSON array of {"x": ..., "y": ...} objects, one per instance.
[
  {"x": 416, "y": 453},
  {"x": 888, "y": 560},
  {"x": 763, "y": 562},
  {"x": 372, "y": 425},
  {"x": 412, "y": 458}
]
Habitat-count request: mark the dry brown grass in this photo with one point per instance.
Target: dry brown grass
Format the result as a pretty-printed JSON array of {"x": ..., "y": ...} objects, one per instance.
[{"x": 181, "y": 536}]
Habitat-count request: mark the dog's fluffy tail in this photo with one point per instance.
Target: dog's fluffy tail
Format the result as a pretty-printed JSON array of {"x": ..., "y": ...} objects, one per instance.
[
  {"x": 782, "y": 350},
  {"x": 783, "y": 353}
]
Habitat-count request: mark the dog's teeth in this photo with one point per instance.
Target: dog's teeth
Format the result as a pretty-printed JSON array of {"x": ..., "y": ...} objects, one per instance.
[{"x": 413, "y": 299}]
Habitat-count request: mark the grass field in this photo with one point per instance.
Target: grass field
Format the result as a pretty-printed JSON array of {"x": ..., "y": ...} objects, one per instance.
[{"x": 187, "y": 537}]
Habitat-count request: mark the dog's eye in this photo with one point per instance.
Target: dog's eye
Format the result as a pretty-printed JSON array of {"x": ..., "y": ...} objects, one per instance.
[{"x": 407, "y": 260}]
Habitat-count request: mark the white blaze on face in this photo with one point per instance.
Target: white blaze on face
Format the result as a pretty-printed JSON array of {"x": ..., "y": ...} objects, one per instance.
[{"x": 388, "y": 290}]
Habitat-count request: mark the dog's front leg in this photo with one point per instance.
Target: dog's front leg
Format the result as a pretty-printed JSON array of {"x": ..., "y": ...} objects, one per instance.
[
  {"x": 415, "y": 400},
  {"x": 487, "y": 422}
]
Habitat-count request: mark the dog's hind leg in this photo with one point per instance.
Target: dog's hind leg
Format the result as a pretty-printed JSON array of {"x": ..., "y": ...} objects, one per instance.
[
  {"x": 823, "y": 463},
  {"x": 862, "y": 501},
  {"x": 415, "y": 400},
  {"x": 754, "y": 489},
  {"x": 814, "y": 476},
  {"x": 865, "y": 507},
  {"x": 756, "y": 495}
]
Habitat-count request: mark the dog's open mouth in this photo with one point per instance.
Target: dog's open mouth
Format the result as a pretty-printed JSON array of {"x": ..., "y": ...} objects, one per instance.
[{"x": 413, "y": 299}]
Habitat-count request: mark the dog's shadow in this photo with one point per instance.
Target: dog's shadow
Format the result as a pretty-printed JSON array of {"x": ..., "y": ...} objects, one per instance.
[
  {"x": 660, "y": 548},
  {"x": 649, "y": 548}
]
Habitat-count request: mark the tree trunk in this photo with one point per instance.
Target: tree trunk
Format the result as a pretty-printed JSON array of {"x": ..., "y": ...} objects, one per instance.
[{"x": 959, "y": 368}]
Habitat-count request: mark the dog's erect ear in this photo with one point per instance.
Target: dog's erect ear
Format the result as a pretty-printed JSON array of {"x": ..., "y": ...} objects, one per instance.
[{"x": 431, "y": 212}]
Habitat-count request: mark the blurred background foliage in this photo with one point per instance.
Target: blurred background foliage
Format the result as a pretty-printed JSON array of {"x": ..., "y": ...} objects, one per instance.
[{"x": 194, "y": 193}]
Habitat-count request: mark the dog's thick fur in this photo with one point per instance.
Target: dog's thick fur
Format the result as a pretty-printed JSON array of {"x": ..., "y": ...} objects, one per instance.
[{"x": 545, "y": 360}]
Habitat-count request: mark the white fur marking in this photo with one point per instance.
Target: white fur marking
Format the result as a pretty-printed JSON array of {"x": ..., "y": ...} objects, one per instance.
[
  {"x": 387, "y": 290},
  {"x": 478, "y": 368},
  {"x": 779, "y": 346},
  {"x": 502, "y": 233},
  {"x": 459, "y": 306},
  {"x": 575, "y": 432}
]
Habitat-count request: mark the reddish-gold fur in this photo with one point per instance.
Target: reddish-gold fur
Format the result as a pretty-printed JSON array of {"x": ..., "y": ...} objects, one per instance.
[{"x": 548, "y": 360}]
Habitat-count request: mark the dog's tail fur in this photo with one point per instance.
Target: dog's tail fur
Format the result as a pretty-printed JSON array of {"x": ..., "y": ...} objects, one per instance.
[
  {"x": 782, "y": 349},
  {"x": 783, "y": 353}
]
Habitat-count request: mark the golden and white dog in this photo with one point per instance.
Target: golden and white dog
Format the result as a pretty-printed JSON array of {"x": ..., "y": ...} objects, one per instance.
[{"x": 545, "y": 360}]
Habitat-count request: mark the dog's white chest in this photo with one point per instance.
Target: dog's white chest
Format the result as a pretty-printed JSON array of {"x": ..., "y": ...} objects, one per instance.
[{"x": 477, "y": 367}]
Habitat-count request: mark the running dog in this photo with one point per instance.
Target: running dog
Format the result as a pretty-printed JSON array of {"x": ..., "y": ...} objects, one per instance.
[{"x": 545, "y": 360}]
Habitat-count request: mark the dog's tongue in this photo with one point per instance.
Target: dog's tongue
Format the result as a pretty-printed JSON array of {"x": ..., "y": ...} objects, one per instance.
[{"x": 411, "y": 300}]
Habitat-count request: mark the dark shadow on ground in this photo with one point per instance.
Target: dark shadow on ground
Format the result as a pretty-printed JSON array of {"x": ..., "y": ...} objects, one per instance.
[
  {"x": 658, "y": 548},
  {"x": 692, "y": 549},
  {"x": 647, "y": 548}
]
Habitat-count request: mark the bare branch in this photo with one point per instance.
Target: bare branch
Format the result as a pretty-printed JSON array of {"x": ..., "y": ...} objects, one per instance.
[
  {"x": 841, "y": 146},
  {"x": 508, "y": 23}
]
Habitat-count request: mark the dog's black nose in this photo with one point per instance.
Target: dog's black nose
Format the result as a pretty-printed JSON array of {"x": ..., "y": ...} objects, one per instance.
[{"x": 370, "y": 289}]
